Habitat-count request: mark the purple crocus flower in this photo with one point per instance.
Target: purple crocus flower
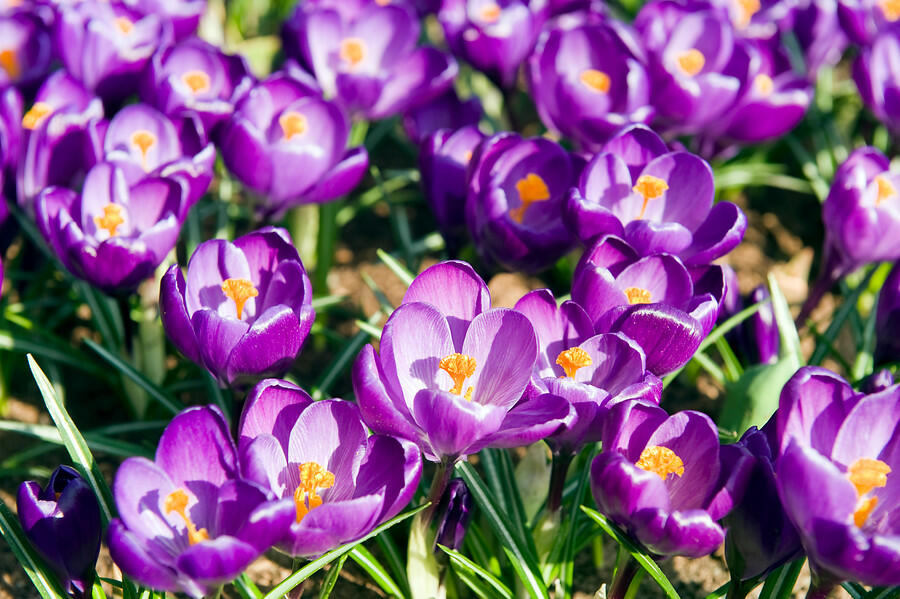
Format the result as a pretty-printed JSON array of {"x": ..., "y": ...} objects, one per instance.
[
  {"x": 447, "y": 111},
  {"x": 334, "y": 481},
  {"x": 588, "y": 81},
  {"x": 62, "y": 521},
  {"x": 836, "y": 476},
  {"x": 862, "y": 20},
  {"x": 653, "y": 300},
  {"x": 184, "y": 15},
  {"x": 819, "y": 33},
  {"x": 113, "y": 234},
  {"x": 281, "y": 125},
  {"x": 660, "y": 477},
  {"x": 195, "y": 77},
  {"x": 450, "y": 373},
  {"x": 367, "y": 59},
  {"x": 760, "y": 536},
  {"x": 658, "y": 201},
  {"x": 106, "y": 45},
  {"x": 244, "y": 309},
  {"x": 887, "y": 319},
  {"x": 10, "y": 131},
  {"x": 493, "y": 36},
  {"x": 514, "y": 206},
  {"x": 26, "y": 49},
  {"x": 876, "y": 71},
  {"x": 188, "y": 523},
  {"x": 444, "y": 157}
]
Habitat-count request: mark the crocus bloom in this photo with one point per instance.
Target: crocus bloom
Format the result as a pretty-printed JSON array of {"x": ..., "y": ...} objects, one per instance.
[
  {"x": 287, "y": 143},
  {"x": 837, "y": 475},
  {"x": 887, "y": 319},
  {"x": 514, "y": 207},
  {"x": 244, "y": 309},
  {"x": 453, "y": 515},
  {"x": 658, "y": 201},
  {"x": 494, "y": 37},
  {"x": 188, "y": 523},
  {"x": 25, "y": 49},
  {"x": 112, "y": 234},
  {"x": 334, "y": 481},
  {"x": 589, "y": 81},
  {"x": 819, "y": 32},
  {"x": 862, "y": 20},
  {"x": 367, "y": 59},
  {"x": 106, "y": 46},
  {"x": 875, "y": 72},
  {"x": 10, "y": 131},
  {"x": 184, "y": 15},
  {"x": 62, "y": 521},
  {"x": 447, "y": 111},
  {"x": 450, "y": 372},
  {"x": 660, "y": 478},
  {"x": 652, "y": 299},
  {"x": 195, "y": 77}
]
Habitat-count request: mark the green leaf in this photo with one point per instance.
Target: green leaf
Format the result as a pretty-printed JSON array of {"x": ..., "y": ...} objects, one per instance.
[
  {"x": 394, "y": 561},
  {"x": 364, "y": 559},
  {"x": 840, "y": 317},
  {"x": 568, "y": 561},
  {"x": 314, "y": 566},
  {"x": 462, "y": 563},
  {"x": 884, "y": 593},
  {"x": 44, "y": 581},
  {"x": 246, "y": 587},
  {"x": 41, "y": 346},
  {"x": 343, "y": 359},
  {"x": 331, "y": 579},
  {"x": 95, "y": 442},
  {"x": 394, "y": 265},
  {"x": 646, "y": 562},
  {"x": 780, "y": 583},
  {"x": 856, "y": 590},
  {"x": 789, "y": 339},
  {"x": 753, "y": 399}
]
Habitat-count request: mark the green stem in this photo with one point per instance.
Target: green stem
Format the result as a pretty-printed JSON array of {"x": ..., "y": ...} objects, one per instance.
[
  {"x": 625, "y": 581},
  {"x": 558, "y": 470},
  {"x": 328, "y": 231}
]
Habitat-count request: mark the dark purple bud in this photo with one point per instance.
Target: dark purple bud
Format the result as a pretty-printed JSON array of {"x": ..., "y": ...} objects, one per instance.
[
  {"x": 764, "y": 342},
  {"x": 876, "y": 73},
  {"x": 444, "y": 112},
  {"x": 62, "y": 520},
  {"x": 887, "y": 319},
  {"x": 877, "y": 381},
  {"x": 453, "y": 514},
  {"x": 11, "y": 110}
]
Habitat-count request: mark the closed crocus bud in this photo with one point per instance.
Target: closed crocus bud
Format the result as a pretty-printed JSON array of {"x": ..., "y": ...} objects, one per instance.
[
  {"x": 760, "y": 332},
  {"x": 113, "y": 234},
  {"x": 288, "y": 144},
  {"x": 887, "y": 319},
  {"x": 62, "y": 521},
  {"x": 196, "y": 78},
  {"x": 446, "y": 111},
  {"x": 106, "y": 46},
  {"x": 588, "y": 81},
  {"x": 244, "y": 309},
  {"x": 876, "y": 74},
  {"x": 494, "y": 37},
  {"x": 877, "y": 381},
  {"x": 514, "y": 206},
  {"x": 184, "y": 15},
  {"x": 453, "y": 515},
  {"x": 368, "y": 59},
  {"x": 333, "y": 482},
  {"x": 862, "y": 20},
  {"x": 26, "y": 49},
  {"x": 10, "y": 132}
]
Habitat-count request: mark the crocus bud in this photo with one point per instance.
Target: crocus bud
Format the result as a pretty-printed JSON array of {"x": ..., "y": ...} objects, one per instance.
[
  {"x": 453, "y": 514},
  {"x": 877, "y": 381},
  {"x": 62, "y": 521},
  {"x": 25, "y": 49},
  {"x": 887, "y": 319},
  {"x": 876, "y": 72}
]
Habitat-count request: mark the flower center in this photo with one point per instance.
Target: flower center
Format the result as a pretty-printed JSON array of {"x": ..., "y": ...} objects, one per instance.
[
  {"x": 111, "y": 219},
  {"x": 886, "y": 189},
  {"x": 239, "y": 290},
  {"x": 459, "y": 367},
  {"x": 293, "y": 123},
  {"x": 650, "y": 188},
  {"x": 312, "y": 477},
  {"x": 177, "y": 501},
  {"x": 866, "y": 475},
  {"x": 746, "y": 10},
  {"x": 124, "y": 25},
  {"x": 661, "y": 461},
  {"x": 353, "y": 51},
  {"x": 572, "y": 359},
  {"x": 891, "y": 9},
  {"x": 143, "y": 140},
  {"x": 9, "y": 62},
  {"x": 531, "y": 189},
  {"x": 490, "y": 12},
  {"x": 596, "y": 81},
  {"x": 637, "y": 295},
  {"x": 691, "y": 61},
  {"x": 197, "y": 81},
  {"x": 36, "y": 115},
  {"x": 763, "y": 84}
]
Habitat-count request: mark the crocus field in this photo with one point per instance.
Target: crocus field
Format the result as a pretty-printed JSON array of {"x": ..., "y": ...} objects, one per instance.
[{"x": 548, "y": 299}]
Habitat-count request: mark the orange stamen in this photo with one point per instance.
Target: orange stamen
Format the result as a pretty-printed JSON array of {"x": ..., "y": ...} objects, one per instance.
[
  {"x": 691, "y": 61},
  {"x": 662, "y": 461},
  {"x": 197, "y": 81},
  {"x": 293, "y": 123},
  {"x": 177, "y": 501},
  {"x": 891, "y": 9},
  {"x": 595, "y": 80},
  {"x": 490, "y": 13},
  {"x": 124, "y": 24},
  {"x": 637, "y": 295},
  {"x": 866, "y": 475},
  {"x": 312, "y": 477},
  {"x": 9, "y": 62},
  {"x": 763, "y": 84},
  {"x": 531, "y": 189},
  {"x": 239, "y": 290},
  {"x": 352, "y": 51},
  {"x": 572, "y": 359},
  {"x": 747, "y": 9},
  {"x": 143, "y": 140},
  {"x": 886, "y": 189},
  {"x": 36, "y": 115},
  {"x": 111, "y": 219},
  {"x": 459, "y": 367},
  {"x": 650, "y": 188}
]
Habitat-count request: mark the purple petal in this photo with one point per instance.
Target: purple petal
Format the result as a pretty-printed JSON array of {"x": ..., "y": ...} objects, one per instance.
[
  {"x": 504, "y": 347},
  {"x": 272, "y": 407},
  {"x": 378, "y": 410}
]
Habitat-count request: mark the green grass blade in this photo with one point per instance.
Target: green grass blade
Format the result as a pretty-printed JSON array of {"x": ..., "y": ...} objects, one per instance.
[
  {"x": 246, "y": 588},
  {"x": 780, "y": 583},
  {"x": 368, "y": 562},
  {"x": 569, "y": 549},
  {"x": 394, "y": 265},
  {"x": 331, "y": 579},
  {"x": 840, "y": 317},
  {"x": 394, "y": 561},
  {"x": 44, "y": 582},
  {"x": 29, "y": 344},
  {"x": 96, "y": 442},
  {"x": 462, "y": 563},
  {"x": 884, "y": 593}
]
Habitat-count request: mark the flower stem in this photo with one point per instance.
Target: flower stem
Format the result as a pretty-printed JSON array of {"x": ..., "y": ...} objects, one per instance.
[
  {"x": 626, "y": 579},
  {"x": 438, "y": 486},
  {"x": 558, "y": 470}
]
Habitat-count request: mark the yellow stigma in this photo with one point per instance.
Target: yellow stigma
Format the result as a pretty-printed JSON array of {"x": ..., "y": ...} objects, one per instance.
[
  {"x": 197, "y": 81},
  {"x": 293, "y": 123},
  {"x": 886, "y": 189},
  {"x": 490, "y": 13},
  {"x": 650, "y": 188},
  {"x": 459, "y": 367},
  {"x": 36, "y": 115},
  {"x": 124, "y": 24},
  {"x": 531, "y": 189},
  {"x": 572, "y": 359},
  {"x": 746, "y": 9},
  {"x": 177, "y": 501},
  {"x": 9, "y": 62},
  {"x": 691, "y": 61},
  {"x": 383, "y": 2},
  {"x": 312, "y": 477},
  {"x": 353, "y": 51},
  {"x": 111, "y": 219},
  {"x": 661, "y": 461},
  {"x": 239, "y": 290},
  {"x": 596, "y": 81},
  {"x": 866, "y": 475},
  {"x": 891, "y": 9},
  {"x": 637, "y": 295},
  {"x": 763, "y": 84},
  {"x": 468, "y": 155},
  {"x": 143, "y": 140}
]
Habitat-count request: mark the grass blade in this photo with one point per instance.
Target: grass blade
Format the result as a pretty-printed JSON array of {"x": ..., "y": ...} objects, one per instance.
[
  {"x": 398, "y": 269},
  {"x": 45, "y": 583},
  {"x": 368, "y": 562},
  {"x": 394, "y": 561},
  {"x": 331, "y": 579},
  {"x": 780, "y": 583},
  {"x": 462, "y": 563}
]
